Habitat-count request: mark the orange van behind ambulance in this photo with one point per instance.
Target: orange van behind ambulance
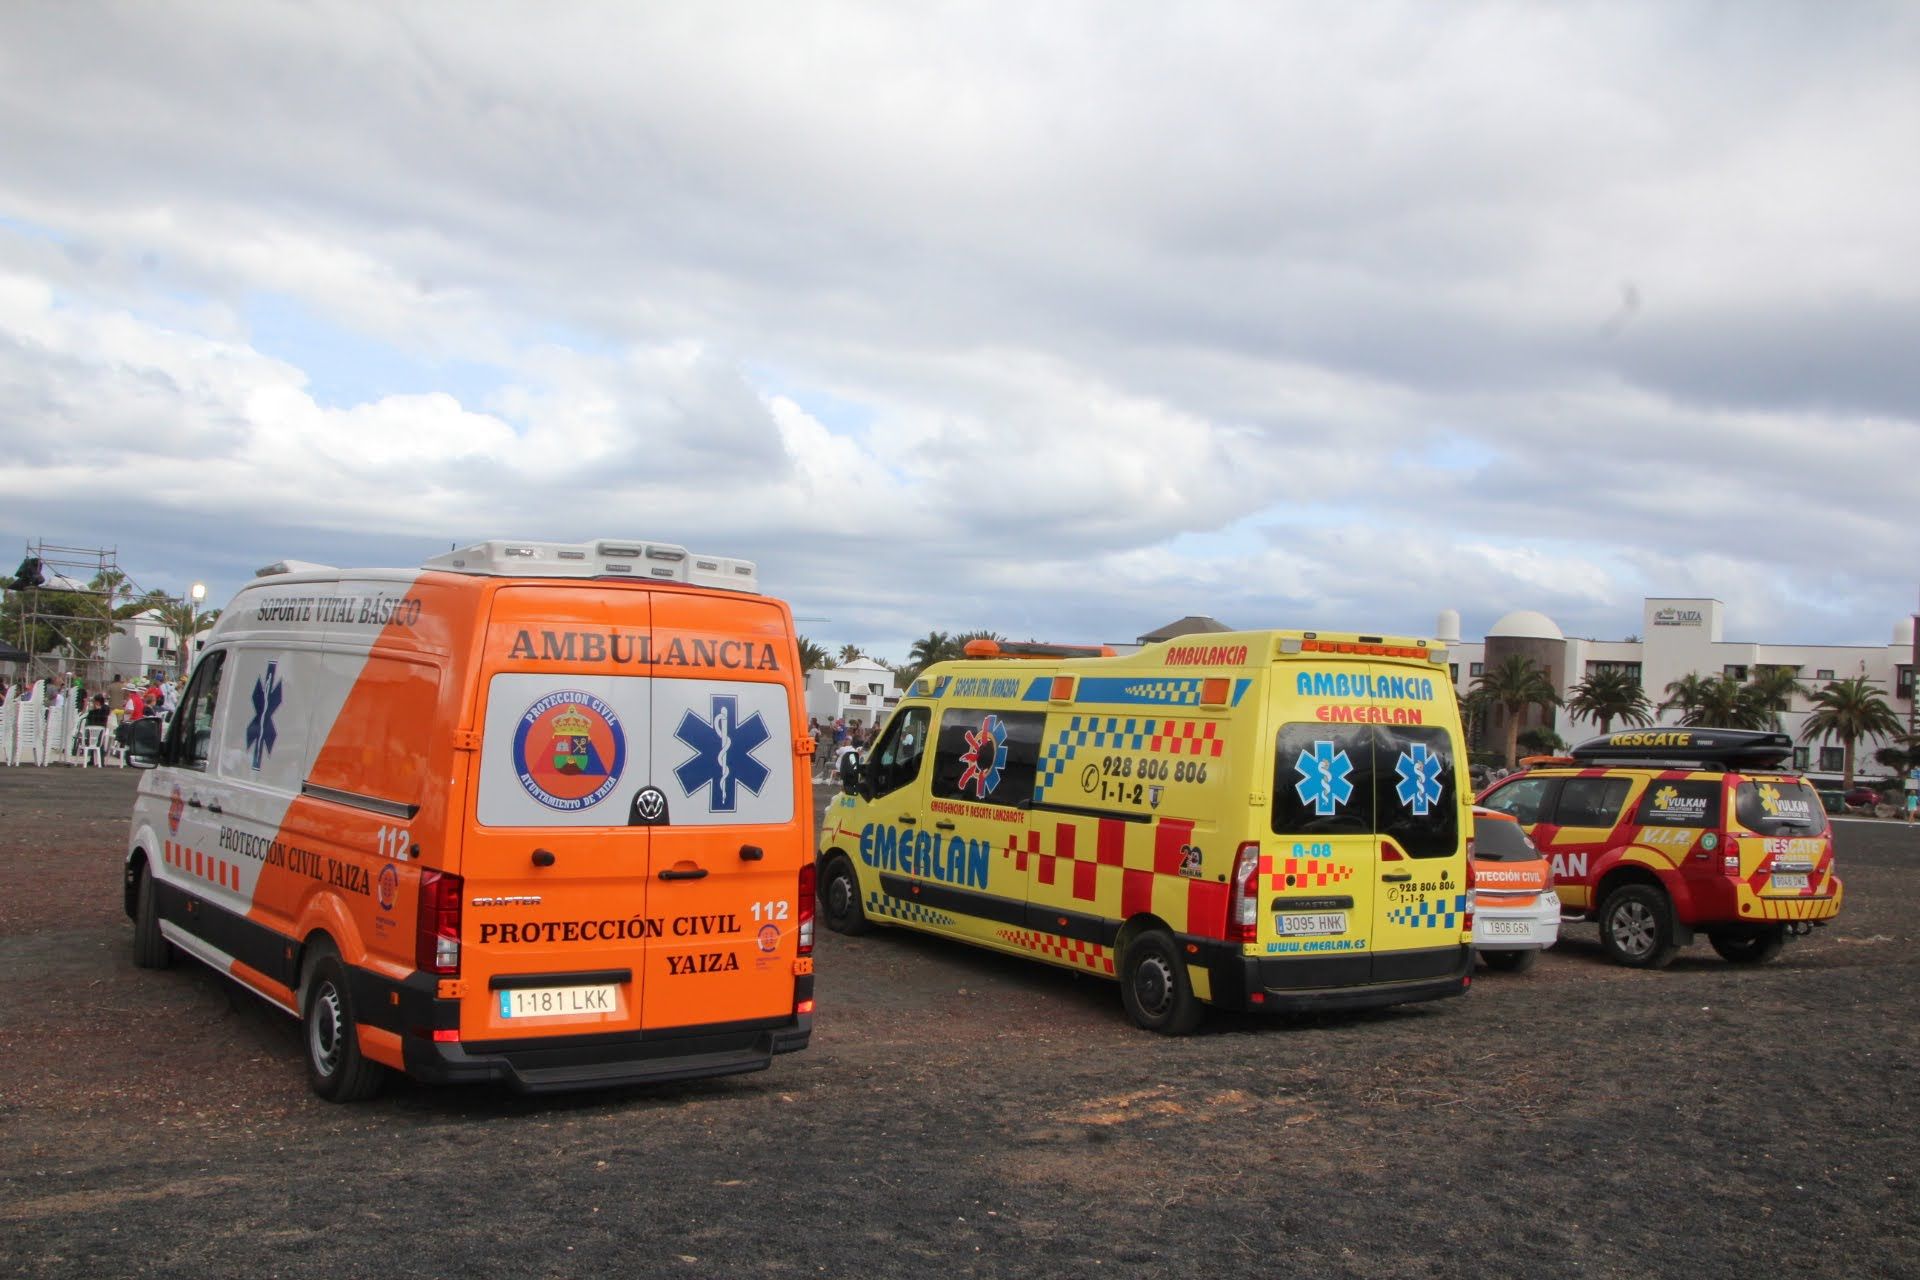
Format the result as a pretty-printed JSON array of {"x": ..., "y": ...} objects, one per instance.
[{"x": 529, "y": 813}]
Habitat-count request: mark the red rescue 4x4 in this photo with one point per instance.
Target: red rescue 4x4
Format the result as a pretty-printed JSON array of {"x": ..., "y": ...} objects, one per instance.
[{"x": 1659, "y": 834}]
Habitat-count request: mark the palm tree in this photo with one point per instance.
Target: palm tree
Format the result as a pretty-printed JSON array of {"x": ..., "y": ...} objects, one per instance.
[
  {"x": 1771, "y": 693},
  {"x": 1687, "y": 695},
  {"x": 851, "y": 653},
  {"x": 813, "y": 656},
  {"x": 1514, "y": 685},
  {"x": 1610, "y": 694},
  {"x": 1850, "y": 710},
  {"x": 935, "y": 646}
]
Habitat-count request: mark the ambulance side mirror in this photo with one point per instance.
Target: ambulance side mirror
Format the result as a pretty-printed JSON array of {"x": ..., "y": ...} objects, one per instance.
[
  {"x": 852, "y": 776},
  {"x": 144, "y": 739}
]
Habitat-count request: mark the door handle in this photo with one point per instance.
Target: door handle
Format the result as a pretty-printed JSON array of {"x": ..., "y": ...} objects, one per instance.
[
  {"x": 213, "y": 806},
  {"x": 1397, "y": 879},
  {"x": 195, "y": 804},
  {"x": 907, "y": 820},
  {"x": 751, "y": 853},
  {"x": 943, "y": 826},
  {"x": 691, "y": 873}
]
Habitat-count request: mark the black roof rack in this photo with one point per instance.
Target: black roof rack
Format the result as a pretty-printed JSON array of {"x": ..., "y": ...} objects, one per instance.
[{"x": 1701, "y": 748}]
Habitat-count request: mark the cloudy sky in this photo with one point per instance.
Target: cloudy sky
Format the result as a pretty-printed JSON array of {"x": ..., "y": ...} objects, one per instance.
[{"x": 1062, "y": 320}]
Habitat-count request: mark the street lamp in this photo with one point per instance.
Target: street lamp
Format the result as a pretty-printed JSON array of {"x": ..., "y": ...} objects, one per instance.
[{"x": 197, "y": 592}]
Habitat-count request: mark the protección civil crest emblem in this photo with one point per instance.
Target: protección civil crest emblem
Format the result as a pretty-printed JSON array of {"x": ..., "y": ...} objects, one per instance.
[{"x": 569, "y": 749}]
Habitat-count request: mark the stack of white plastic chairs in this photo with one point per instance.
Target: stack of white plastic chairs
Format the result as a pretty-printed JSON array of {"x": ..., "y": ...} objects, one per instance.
[
  {"x": 30, "y": 727},
  {"x": 9, "y": 716},
  {"x": 63, "y": 726}
]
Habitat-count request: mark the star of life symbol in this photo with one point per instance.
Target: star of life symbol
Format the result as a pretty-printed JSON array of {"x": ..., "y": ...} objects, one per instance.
[
  {"x": 1324, "y": 779},
  {"x": 1419, "y": 772},
  {"x": 723, "y": 758},
  {"x": 985, "y": 757},
  {"x": 267, "y": 693}
]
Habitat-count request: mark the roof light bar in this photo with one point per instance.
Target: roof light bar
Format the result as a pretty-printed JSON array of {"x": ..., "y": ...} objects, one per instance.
[{"x": 663, "y": 561}]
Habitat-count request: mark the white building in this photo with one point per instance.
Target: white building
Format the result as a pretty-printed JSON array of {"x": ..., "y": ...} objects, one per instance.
[
  {"x": 142, "y": 646},
  {"x": 862, "y": 690},
  {"x": 1681, "y": 637}
]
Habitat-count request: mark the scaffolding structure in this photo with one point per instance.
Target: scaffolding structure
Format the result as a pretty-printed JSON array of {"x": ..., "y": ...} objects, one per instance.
[{"x": 62, "y": 636}]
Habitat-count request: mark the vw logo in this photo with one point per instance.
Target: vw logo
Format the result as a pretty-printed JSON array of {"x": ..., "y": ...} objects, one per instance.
[{"x": 649, "y": 807}]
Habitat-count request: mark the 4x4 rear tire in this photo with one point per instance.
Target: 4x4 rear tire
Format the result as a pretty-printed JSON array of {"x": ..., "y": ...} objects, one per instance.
[
  {"x": 1154, "y": 986},
  {"x": 1636, "y": 927},
  {"x": 336, "y": 1068},
  {"x": 840, "y": 898},
  {"x": 1755, "y": 944}
]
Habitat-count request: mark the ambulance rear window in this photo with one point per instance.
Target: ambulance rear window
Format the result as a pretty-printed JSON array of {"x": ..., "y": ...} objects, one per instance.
[
  {"x": 1495, "y": 840},
  {"x": 1398, "y": 782},
  {"x": 1786, "y": 807}
]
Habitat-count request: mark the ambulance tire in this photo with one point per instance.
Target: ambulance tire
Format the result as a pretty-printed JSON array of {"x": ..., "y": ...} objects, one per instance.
[
  {"x": 1636, "y": 927},
  {"x": 151, "y": 950},
  {"x": 1154, "y": 986},
  {"x": 1749, "y": 945},
  {"x": 335, "y": 1067},
  {"x": 1510, "y": 961},
  {"x": 840, "y": 899}
]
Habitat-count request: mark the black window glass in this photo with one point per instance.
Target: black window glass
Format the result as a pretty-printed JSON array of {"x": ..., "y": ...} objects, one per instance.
[
  {"x": 1323, "y": 780},
  {"x": 895, "y": 761},
  {"x": 1779, "y": 808},
  {"x": 1680, "y": 804},
  {"x": 191, "y": 734},
  {"x": 987, "y": 756},
  {"x": 1524, "y": 798},
  {"x": 1417, "y": 798},
  {"x": 1499, "y": 841},
  {"x": 1591, "y": 802}
]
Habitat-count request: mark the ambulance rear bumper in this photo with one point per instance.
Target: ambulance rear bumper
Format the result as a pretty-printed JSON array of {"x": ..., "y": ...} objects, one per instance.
[
  {"x": 1300, "y": 985},
  {"x": 560, "y": 1063}
]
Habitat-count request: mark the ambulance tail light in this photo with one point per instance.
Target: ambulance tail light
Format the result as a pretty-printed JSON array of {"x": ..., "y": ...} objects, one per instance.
[
  {"x": 1243, "y": 909},
  {"x": 806, "y": 909},
  {"x": 436, "y": 935},
  {"x": 1473, "y": 879}
]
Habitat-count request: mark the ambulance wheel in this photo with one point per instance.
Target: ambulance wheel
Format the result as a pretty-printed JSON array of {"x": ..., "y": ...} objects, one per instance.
[
  {"x": 151, "y": 950},
  {"x": 1154, "y": 986},
  {"x": 335, "y": 1067},
  {"x": 1749, "y": 946},
  {"x": 840, "y": 899},
  {"x": 1510, "y": 961},
  {"x": 1636, "y": 927}
]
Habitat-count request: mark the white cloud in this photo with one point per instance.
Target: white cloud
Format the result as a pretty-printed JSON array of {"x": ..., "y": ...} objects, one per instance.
[{"x": 1501, "y": 306}]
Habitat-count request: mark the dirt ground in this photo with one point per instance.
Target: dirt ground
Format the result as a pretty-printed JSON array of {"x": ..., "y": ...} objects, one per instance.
[{"x": 966, "y": 1112}]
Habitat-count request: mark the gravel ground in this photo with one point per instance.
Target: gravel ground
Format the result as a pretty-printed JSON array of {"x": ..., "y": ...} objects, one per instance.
[{"x": 963, "y": 1110}]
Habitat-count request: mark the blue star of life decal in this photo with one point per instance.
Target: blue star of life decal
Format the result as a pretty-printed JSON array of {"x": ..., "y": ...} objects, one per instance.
[
  {"x": 1324, "y": 779},
  {"x": 267, "y": 694},
  {"x": 723, "y": 758},
  {"x": 1419, "y": 772}
]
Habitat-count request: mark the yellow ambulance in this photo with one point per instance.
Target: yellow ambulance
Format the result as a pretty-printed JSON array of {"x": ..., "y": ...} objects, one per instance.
[
  {"x": 1263, "y": 820},
  {"x": 528, "y": 813}
]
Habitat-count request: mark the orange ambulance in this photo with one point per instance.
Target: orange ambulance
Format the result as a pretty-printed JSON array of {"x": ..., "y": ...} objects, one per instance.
[{"x": 528, "y": 813}]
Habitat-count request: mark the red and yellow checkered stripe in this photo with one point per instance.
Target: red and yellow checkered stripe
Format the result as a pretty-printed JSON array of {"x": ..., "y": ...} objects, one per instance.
[{"x": 1083, "y": 955}]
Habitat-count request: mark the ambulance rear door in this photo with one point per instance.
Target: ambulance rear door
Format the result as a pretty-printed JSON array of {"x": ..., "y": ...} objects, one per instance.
[
  {"x": 1318, "y": 867},
  {"x": 555, "y": 911},
  {"x": 724, "y": 798},
  {"x": 1365, "y": 881}
]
